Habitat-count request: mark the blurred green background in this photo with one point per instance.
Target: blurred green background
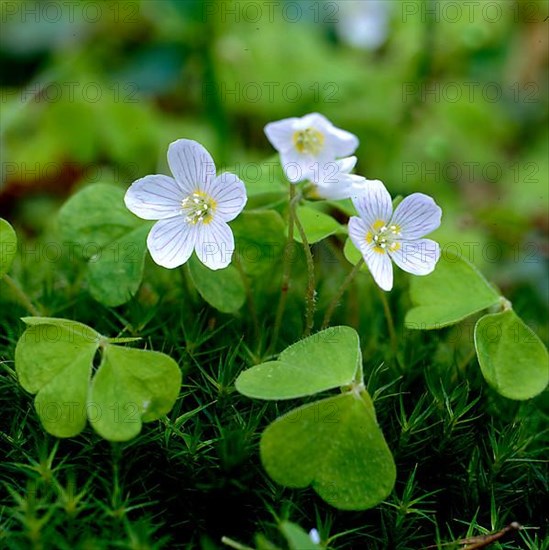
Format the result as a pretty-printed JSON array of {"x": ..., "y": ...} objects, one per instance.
[{"x": 447, "y": 98}]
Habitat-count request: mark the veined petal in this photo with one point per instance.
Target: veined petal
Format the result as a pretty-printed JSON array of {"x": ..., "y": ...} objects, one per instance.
[
  {"x": 214, "y": 244},
  {"x": 280, "y": 134},
  {"x": 418, "y": 257},
  {"x": 374, "y": 204},
  {"x": 154, "y": 197},
  {"x": 417, "y": 215},
  {"x": 171, "y": 242},
  {"x": 378, "y": 263},
  {"x": 191, "y": 165},
  {"x": 229, "y": 193}
]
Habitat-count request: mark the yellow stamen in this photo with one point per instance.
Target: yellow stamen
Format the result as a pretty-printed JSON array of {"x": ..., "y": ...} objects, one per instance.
[
  {"x": 198, "y": 207},
  {"x": 308, "y": 141}
]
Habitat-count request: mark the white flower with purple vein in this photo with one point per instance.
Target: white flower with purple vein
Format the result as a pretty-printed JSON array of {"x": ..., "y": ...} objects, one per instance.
[
  {"x": 382, "y": 235},
  {"x": 192, "y": 208}
]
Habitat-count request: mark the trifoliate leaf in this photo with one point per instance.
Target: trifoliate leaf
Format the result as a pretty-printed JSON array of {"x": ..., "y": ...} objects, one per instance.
[
  {"x": 54, "y": 359},
  {"x": 110, "y": 238},
  {"x": 512, "y": 358},
  {"x": 334, "y": 445},
  {"x": 451, "y": 293},
  {"x": 316, "y": 224},
  {"x": 8, "y": 246},
  {"x": 222, "y": 288},
  {"x": 326, "y": 360}
]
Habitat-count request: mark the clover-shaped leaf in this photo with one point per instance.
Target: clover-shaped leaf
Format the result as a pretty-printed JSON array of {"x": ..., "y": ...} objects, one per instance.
[
  {"x": 8, "y": 246},
  {"x": 334, "y": 444},
  {"x": 110, "y": 238},
  {"x": 329, "y": 359},
  {"x": 512, "y": 358},
  {"x": 222, "y": 289},
  {"x": 54, "y": 359},
  {"x": 451, "y": 293},
  {"x": 316, "y": 224}
]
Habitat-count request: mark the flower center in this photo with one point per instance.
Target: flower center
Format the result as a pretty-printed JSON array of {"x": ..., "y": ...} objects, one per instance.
[
  {"x": 384, "y": 237},
  {"x": 308, "y": 141},
  {"x": 198, "y": 207}
]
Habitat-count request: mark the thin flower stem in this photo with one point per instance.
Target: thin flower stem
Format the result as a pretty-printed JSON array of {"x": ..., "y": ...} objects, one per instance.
[
  {"x": 310, "y": 294},
  {"x": 390, "y": 321},
  {"x": 286, "y": 267},
  {"x": 23, "y": 299},
  {"x": 335, "y": 301}
]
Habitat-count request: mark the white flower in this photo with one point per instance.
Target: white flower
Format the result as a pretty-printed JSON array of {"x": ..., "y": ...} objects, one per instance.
[
  {"x": 363, "y": 24},
  {"x": 314, "y": 535},
  {"x": 308, "y": 144},
  {"x": 193, "y": 208},
  {"x": 336, "y": 182},
  {"x": 382, "y": 235}
]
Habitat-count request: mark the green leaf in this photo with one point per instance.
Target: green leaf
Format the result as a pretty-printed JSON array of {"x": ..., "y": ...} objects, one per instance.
[
  {"x": 328, "y": 359},
  {"x": 110, "y": 237},
  {"x": 222, "y": 288},
  {"x": 260, "y": 240},
  {"x": 54, "y": 359},
  {"x": 316, "y": 224},
  {"x": 334, "y": 445},
  {"x": 132, "y": 386},
  {"x": 353, "y": 255},
  {"x": 8, "y": 246},
  {"x": 298, "y": 538},
  {"x": 512, "y": 358},
  {"x": 115, "y": 275},
  {"x": 451, "y": 293}
]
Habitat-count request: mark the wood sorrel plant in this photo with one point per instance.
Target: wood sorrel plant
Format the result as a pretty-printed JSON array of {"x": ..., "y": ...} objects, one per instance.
[{"x": 196, "y": 220}]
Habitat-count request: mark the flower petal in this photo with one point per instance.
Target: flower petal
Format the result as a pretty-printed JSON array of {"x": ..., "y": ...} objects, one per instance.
[
  {"x": 154, "y": 197},
  {"x": 229, "y": 193},
  {"x": 378, "y": 263},
  {"x": 341, "y": 142},
  {"x": 417, "y": 215},
  {"x": 280, "y": 134},
  {"x": 297, "y": 167},
  {"x": 214, "y": 244},
  {"x": 171, "y": 242},
  {"x": 191, "y": 165},
  {"x": 347, "y": 164},
  {"x": 374, "y": 203},
  {"x": 418, "y": 257}
]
